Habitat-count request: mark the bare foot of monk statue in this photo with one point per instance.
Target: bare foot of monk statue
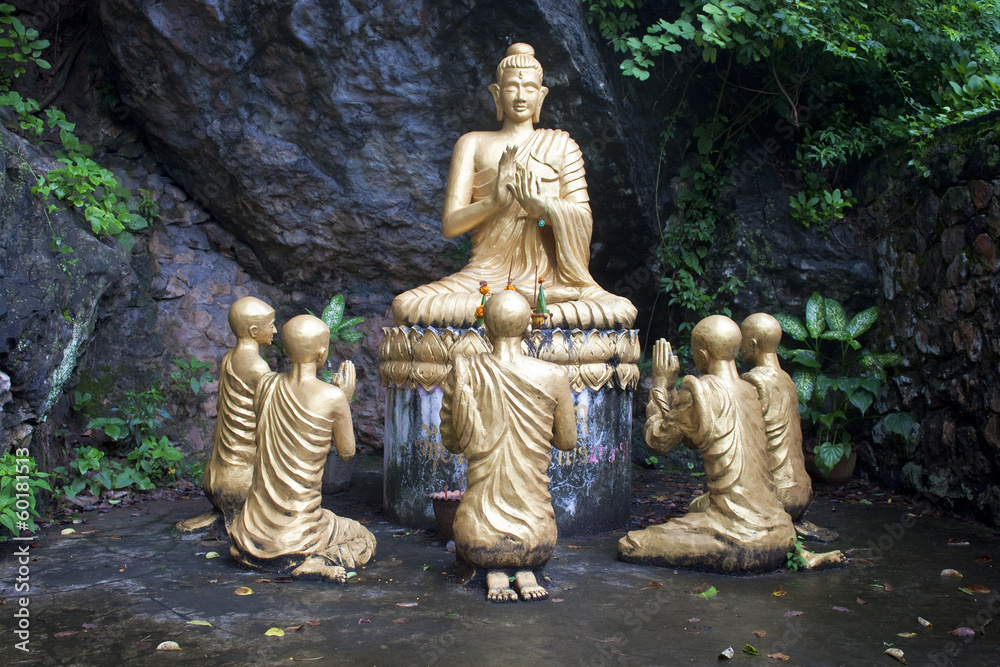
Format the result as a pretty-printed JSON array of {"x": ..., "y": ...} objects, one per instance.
[{"x": 504, "y": 411}]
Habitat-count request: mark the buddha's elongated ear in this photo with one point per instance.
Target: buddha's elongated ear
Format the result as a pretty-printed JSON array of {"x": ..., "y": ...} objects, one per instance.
[
  {"x": 495, "y": 91},
  {"x": 541, "y": 100}
]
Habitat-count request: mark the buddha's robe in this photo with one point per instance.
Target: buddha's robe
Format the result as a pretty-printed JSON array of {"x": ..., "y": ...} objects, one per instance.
[
  {"x": 230, "y": 470},
  {"x": 512, "y": 244},
  {"x": 282, "y": 521},
  {"x": 785, "y": 460},
  {"x": 502, "y": 421},
  {"x": 742, "y": 527}
]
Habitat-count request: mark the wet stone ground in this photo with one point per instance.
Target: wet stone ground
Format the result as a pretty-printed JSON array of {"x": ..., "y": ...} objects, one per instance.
[{"x": 109, "y": 593}]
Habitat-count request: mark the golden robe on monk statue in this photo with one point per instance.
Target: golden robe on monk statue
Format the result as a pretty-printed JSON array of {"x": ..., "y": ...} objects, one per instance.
[
  {"x": 522, "y": 192},
  {"x": 283, "y": 526}
]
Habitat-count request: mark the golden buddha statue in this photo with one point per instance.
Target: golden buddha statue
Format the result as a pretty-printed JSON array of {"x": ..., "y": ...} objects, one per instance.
[
  {"x": 738, "y": 526},
  {"x": 779, "y": 401},
  {"x": 521, "y": 191},
  {"x": 504, "y": 411},
  {"x": 283, "y": 527},
  {"x": 230, "y": 470}
]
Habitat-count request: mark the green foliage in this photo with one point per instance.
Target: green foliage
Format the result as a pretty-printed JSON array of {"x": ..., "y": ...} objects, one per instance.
[
  {"x": 340, "y": 329},
  {"x": 18, "y": 45},
  {"x": 835, "y": 80},
  {"x": 796, "y": 557},
  {"x": 96, "y": 192},
  {"x": 150, "y": 461},
  {"x": 86, "y": 185},
  {"x": 148, "y": 208},
  {"x": 19, "y": 476},
  {"x": 138, "y": 417},
  {"x": 837, "y": 378},
  {"x": 83, "y": 402},
  {"x": 191, "y": 374},
  {"x": 157, "y": 459},
  {"x": 94, "y": 471}
]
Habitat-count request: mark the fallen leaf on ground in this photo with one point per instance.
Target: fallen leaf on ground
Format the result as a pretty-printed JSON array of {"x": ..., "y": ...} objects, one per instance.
[
  {"x": 212, "y": 554},
  {"x": 655, "y": 583},
  {"x": 115, "y": 537},
  {"x": 262, "y": 581},
  {"x": 924, "y": 622},
  {"x": 861, "y": 602},
  {"x": 293, "y": 628},
  {"x": 351, "y": 575},
  {"x": 66, "y": 633},
  {"x": 779, "y": 591},
  {"x": 707, "y": 594},
  {"x": 243, "y": 590},
  {"x": 778, "y": 656},
  {"x": 274, "y": 632},
  {"x": 88, "y": 532},
  {"x": 896, "y": 653},
  {"x": 89, "y": 626},
  {"x": 950, "y": 573},
  {"x": 727, "y": 654},
  {"x": 906, "y": 634},
  {"x": 136, "y": 514},
  {"x": 751, "y": 650},
  {"x": 572, "y": 546},
  {"x": 985, "y": 558},
  {"x": 888, "y": 587},
  {"x": 790, "y": 614},
  {"x": 760, "y": 633},
  {"x": 67, "y": 531},
  {"x": 406, "y": 604},
  {"x": 693, "y": 620},
  {"x": 213, "y": 581},
  {"x": 168, "y": 646},
  {"x": 363, "y": 620},
  {"x": 975, "y": 588},
  {"x": 199, "y": 623},
  {"x": 963, "y": 631},
  {"x": 835, "y": 608},
  {"x": 312, "y": 623},
  {"x": 558, "y": 600}
]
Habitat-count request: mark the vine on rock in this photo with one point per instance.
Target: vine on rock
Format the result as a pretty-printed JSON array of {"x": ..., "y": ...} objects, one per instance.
[{"x": 829, "y": 81}]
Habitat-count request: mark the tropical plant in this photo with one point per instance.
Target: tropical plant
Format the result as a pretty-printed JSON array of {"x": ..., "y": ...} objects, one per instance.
[
  {"x": 191, "y": 374},
  {"x": 20, "y": 483},
  {"x": 340, "y": 329},
  {"x": 836, "y": 377}
]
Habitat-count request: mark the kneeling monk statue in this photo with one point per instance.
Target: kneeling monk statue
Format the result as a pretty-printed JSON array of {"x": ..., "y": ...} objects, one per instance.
[
  {"x": 283, "y": 527},
  {"x": 230, "y": 470},
  {"x": 504, "y": 411},
  {"x": 739, "y": 526},
  {"x": 521, "y": 191}
]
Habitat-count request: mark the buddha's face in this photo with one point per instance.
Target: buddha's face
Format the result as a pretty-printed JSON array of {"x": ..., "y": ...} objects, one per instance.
[{"x": 520, "y": 93}]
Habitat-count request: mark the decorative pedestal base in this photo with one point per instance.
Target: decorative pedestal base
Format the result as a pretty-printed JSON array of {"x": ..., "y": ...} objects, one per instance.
[{"x": 591, "y": 486}]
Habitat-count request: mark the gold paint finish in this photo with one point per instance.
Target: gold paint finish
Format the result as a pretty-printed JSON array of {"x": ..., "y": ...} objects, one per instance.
[
  {"x": 741, "y": 527},
  {"x": 503, "y": 410},
  {"x": 283, "y": 527},
  {"x": 593, "y": 359},
  {"x": 780, "y": 404},
  {"x": 522, "y": 193},
  {"x": 230, "y": 470}
]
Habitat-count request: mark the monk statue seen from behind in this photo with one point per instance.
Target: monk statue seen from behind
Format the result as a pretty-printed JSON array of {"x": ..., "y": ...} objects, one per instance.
[
  {"x": 283, "y": 527},
  {"x": 521, "y": 191},
  {"x": 504, "y": 411},
  {"x": 230, "y": 470},
  {"x": 779, "y": 401}
]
